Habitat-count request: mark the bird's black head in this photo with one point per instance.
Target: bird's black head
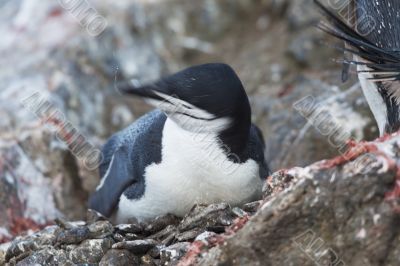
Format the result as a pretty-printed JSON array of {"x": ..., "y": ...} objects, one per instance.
[
  {"x": 207, "y": 98},
  {"x": 371, "y": 31}
]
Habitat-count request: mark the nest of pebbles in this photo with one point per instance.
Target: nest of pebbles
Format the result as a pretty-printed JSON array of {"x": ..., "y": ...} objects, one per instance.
[{"x": 163, "y": 241}]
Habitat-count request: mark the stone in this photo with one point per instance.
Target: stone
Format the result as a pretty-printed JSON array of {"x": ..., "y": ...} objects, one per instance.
[
  {"x": 136, "y": 246},
  {"x": 161, "y": 222},
  {"x": 73, "y": 236},
  {"x": 207, "y": 216},
  {"x": 100, "y": 229},
  {"x": 174, "y": 252},
  {"x": 90, "y": 251},
  {"x": 134, "y": 228},
  {"x": 147, "y": 260},
  {"x": 252, "y": 206},
  {"x": 188, "y": 235},
  {"x": 119, "y": 257},
  {"x": 47, "y": 256}
]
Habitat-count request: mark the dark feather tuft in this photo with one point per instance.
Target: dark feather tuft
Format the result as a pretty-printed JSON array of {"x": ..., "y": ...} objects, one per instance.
[{"x": 377, "y": 46}]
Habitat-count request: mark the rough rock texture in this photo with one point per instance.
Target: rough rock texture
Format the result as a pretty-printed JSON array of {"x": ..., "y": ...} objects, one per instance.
[{"x": 343, "y": 211}]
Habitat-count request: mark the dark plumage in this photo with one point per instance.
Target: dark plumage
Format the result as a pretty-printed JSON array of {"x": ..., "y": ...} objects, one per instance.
[
  {"x": 374, "y": 36},
  {"x": 371, "y": 33}
]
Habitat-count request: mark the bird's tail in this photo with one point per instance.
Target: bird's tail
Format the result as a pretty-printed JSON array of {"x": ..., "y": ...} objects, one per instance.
[{"x": 367, "y": 38}]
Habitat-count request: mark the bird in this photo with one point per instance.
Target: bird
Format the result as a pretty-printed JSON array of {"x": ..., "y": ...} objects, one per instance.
[
  {"x": 371, "y": 32},
  {"x": 197, "y": 147}
]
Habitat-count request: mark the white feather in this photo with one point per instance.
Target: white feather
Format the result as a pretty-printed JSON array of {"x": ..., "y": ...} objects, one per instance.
[{"x": 374, "y": 98}]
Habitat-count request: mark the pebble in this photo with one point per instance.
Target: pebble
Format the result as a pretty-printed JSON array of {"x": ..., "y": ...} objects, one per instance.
[
  {"x": 136, "y": 246},
  {"x": 74, "y": 235},
  {"x": 90, "y": 251},
  {"x": 161, "y": 242},
  {"x": 119, "y": 257},
  {"x": 174, "y": 252}
]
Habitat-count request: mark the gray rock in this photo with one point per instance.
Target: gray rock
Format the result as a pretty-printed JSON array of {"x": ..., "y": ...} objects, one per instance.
[
  {"x": 90, "y": 251},
  {"x": 252, "y": 206},
  {"x": 47, "y": 256},
  {"x": 167, "y": 231},
  {"x": 100, "y": 229},
  {"x": 188, "y": 235},
  {"x": 134, "y": 228},
  {"x": 73, "y": 236},
  {"x": 147, "y": 260},
  {"x": 119, "y": 257},
  {"x": 156, "y": 251},
  {"x": 174, "y": 252},
  {"x": 161, "y": 222},
  {"x": 19, "y": 247},
  {"x": 136, "y": 246},
  {"x": 239, "y": 212},
  {"x": 207, "y": 216},
  {"x": 204, "y": 236},
  {"x": 302, "y": 47},
  {"x": 307, "y": 133}
]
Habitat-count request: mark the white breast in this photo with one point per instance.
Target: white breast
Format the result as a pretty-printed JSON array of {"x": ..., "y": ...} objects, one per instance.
[
  {"x": 194, "y": 169},
  {"x": 374, "y": 99}
]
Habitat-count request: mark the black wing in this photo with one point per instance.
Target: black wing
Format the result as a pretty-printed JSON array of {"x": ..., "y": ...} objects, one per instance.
[
  {"x": 115, "y": 180},
  {"x": 126, "y": 156}
]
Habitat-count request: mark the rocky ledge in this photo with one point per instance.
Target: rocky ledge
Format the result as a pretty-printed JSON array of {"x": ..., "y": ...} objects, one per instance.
[{"x": 343, "y": 211}]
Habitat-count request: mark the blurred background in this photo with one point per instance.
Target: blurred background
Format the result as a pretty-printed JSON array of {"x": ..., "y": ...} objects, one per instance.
[{"x": 72, "y": 52}]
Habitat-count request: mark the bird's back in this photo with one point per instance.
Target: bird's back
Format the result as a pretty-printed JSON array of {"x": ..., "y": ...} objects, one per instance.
[
  {"x": 378, "y": 22},
  {"x": 142, "y": 139}
]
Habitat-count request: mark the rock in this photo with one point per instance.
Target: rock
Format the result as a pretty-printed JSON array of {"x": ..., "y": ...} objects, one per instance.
[
  {"x": 341, "y": 211},
  {"x": 136, "y": 246},
  {"x": 301, "y": 13},
  {"x": 118, "y": 237},
  {"x": 207, "y": 216},
  {"x": 188, "y": 235},
  {"x": 130, "y": 228},
  {"x": 90, "y": 251},
  {"x": 119, "y": 257},
  {"x": 251, "y": 207},
  {"x": 239, "y": 212},
  {"x": 73, "y": 236},
  {"x": 155, "y": 252},
  {"x": 100, "y": 229},
  {"x": 167, "y": 231},
  {"x": 302, "y": 47},
  {"x": 19, "y": 247},
  {"x": 147, "y": 260},
  {"x": 319, "y": 132},
  {"x": 204, "y": 236},
  {"x": 174, "y": 252},
  {"x": 47, "y": 256},
  {"x": 161, "y": 222}
]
